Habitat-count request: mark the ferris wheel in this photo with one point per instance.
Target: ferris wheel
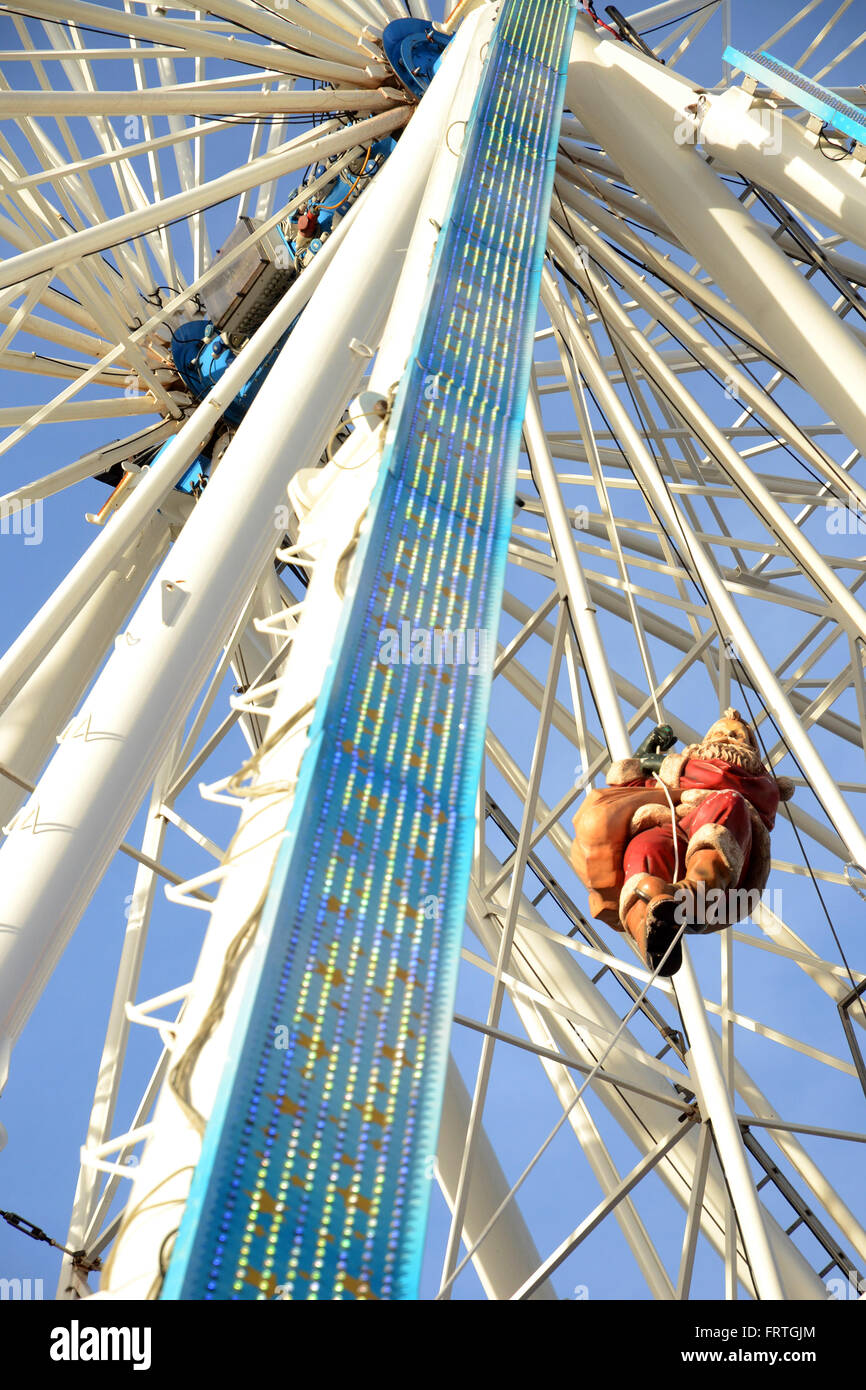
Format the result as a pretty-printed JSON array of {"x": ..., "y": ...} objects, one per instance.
[{"x": 500, "y": 392}]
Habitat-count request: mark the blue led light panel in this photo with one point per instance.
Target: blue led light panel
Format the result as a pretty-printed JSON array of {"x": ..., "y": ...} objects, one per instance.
[
  {"x": 316, "y": 1171},
  {"x": 811, "y": 96}
]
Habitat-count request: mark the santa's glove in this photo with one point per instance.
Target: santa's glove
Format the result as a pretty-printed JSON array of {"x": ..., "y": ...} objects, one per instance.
[{"x": 654, "y": 748}]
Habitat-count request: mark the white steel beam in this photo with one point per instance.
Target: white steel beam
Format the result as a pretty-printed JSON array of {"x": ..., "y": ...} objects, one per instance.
[
  {"x": 579, "y": 169},
  {"x": 716, "y": 1107},
  {"x": 503, "y": 956},
  {"x": 341, "y": 491},
  {"x": 580, "y": 607},
  {"x": 30, "y": 723},
  {"x": 173, "y": 1150},
  {"x": 633, "y": 106},
  {"x": 194, "y": 38},
  {"x": 553, "y": 1033},
  {"x": 754, "y": 138},
  {"x": 547, "y": 966},
  {"x": 727, "y": 615},
  {"x": 161, "y": 477},
  {"x": 801, "y": 1161},
  {"x": 152, "y": 676},
  {"x": 663, "y": 13},
  {"x": 744, "y": 478},
  {"x": 509, "y": 1254},
  {"x": 294, "y": 27},
  {"x": 92, "y": 240},
  {"x": 129, "y": 188},
  {"x": 693, "y": 1228},
  {"x": 150, "y": 681},
  {"x": 179, "y": 100},
  {"x": 717, "y": 362},
  {"x": 117, "y": 1029},
  {"x": 590, "y": 1223}
]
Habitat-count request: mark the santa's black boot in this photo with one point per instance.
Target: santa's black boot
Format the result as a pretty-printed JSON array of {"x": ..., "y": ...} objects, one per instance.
[{"x": 651, "y": 913}]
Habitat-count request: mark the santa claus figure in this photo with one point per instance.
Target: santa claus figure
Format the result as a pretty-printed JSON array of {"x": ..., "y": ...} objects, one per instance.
[{"x": 679, "y": 839}]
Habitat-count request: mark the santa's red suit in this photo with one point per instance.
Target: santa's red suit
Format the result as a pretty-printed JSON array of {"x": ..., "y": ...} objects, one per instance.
[
  {"x": 626, "y": 830},
  {"x": 727, "y": 810}
]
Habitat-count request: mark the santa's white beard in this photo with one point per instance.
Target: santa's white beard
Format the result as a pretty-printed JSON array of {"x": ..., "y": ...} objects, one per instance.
[{"x": 727, "y": 751}]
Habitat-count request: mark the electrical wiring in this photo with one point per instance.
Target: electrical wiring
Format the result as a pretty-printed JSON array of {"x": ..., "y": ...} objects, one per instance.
[
  {"x": 354, "y": 185},
  {"x": 738, "y": 664},
  {"x": 679, "y": 18},
  {"x": 130, "y": 1216},
  {"x": 826, "y": 143},
  {"x": 806, "y": 861},
  {"x": 588, "y": 9}
]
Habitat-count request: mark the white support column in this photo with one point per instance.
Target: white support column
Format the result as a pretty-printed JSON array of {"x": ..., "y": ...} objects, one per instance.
[
  {"x": 331, "y": 501},
  {"x": 146, "y": 690},
  {"x": 31, "y": 722},
  {"x": 117, "y": 1030},
  {"x": 715, "y": 1103},
  {"x": 634, "y": 107},
  {"x": 580, "y": 606},
  {"x": 756, "y": 139}
]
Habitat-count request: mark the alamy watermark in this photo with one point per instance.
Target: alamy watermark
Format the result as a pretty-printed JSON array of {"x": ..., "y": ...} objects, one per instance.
[
  {"x": 407, "y": 645},
  {"x": 688, "y": 123},
  {"x": 845, "y": 518},
  {"x": 719, "y": 907},
  {"x": 83, "y": 1343},
  {"x": 21, "y": 1290},
  {"x": 840, "y": 1289},
  {"x": 22, "y": 517}
]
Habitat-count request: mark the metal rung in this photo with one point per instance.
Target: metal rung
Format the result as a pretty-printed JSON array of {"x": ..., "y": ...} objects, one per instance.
[{"x": 805, "y": 1215}]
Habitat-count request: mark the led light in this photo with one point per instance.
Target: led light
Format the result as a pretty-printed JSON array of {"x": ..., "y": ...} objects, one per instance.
[{"x": 385, "y": 816}]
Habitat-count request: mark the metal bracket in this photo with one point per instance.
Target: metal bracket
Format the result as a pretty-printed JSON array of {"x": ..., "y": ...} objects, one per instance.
[{"x": 95, "y": 1158}]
